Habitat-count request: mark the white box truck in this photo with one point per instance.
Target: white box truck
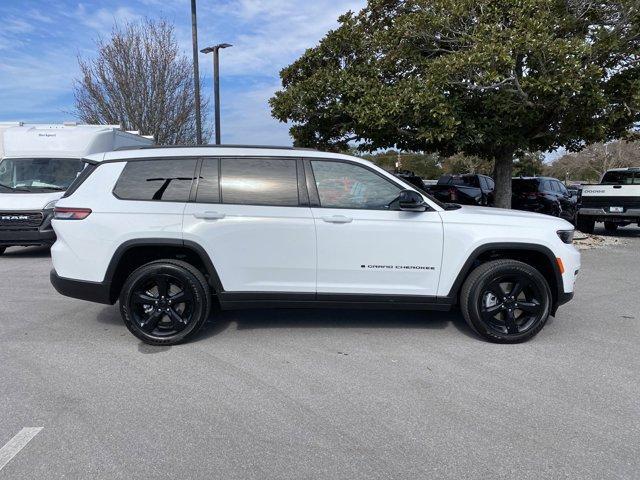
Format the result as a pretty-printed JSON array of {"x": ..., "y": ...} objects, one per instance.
[{"x": 38, "y": 164}]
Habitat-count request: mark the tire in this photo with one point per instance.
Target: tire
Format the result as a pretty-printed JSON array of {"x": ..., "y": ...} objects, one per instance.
[
  {"x": 492, "y": 293},
  {"x": 164, "y": 320},
  {"x": 2, "y": 250},
  {"x": 585, "y": 225},
  {"x": 610, "y": 226}
]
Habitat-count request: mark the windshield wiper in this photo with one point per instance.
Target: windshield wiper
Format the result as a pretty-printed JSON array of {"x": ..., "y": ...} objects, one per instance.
[
  {"x": 18, "y": 189},
  {"x": 34, "y": 188}
]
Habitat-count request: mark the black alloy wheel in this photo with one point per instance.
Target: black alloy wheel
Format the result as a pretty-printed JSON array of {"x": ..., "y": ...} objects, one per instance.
[
  {"x": 164, "y": 302},
  {"x": 506, "y": 301},
  {"x": 511, "y": 304},
  {"x": 162, "y": 305}
]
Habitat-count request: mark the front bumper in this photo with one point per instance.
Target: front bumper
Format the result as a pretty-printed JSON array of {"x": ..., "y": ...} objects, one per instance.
[
  {"x": 98, "y": 292},
  {"x": 28, "y": 236},
  {"x": 24, "y": 238}
]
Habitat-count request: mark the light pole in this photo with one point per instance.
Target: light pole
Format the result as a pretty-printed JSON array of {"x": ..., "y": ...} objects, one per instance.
[
  {"x": 216, "y": 83},
  {"x": 196, "y": 72}
]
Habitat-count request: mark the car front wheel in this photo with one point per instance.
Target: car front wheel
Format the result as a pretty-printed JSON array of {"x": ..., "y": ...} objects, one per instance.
[
  {"x": 165, "y": 301},
  {"x": 506, "y": 301}
]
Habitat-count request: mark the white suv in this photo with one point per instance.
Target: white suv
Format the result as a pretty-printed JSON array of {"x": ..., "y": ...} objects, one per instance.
[{"x": 166, "y": 231}]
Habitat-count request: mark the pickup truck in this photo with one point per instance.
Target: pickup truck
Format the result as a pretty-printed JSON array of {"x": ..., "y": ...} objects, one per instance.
[
  {"x": 614, "y": 201},
  {"x": 466, "y": 189}
]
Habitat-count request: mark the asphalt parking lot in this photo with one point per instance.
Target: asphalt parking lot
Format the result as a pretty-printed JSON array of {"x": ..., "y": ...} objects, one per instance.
[{"x": 323, "y": 394}]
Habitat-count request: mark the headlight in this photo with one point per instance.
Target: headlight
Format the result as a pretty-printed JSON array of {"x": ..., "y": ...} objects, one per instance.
[
  {"x": 566, "y": 235},
  {"x": 50, "y": 205}
]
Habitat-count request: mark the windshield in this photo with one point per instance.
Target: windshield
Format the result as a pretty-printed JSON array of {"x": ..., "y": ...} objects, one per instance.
[
  {"x": 39, "y": 174},
  {"x": 621, "y": 178}
]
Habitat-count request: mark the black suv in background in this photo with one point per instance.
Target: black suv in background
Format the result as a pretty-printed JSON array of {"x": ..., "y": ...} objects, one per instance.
[
  {"x": 544, "y": 195},
  {"x": 469, "y": 189}
]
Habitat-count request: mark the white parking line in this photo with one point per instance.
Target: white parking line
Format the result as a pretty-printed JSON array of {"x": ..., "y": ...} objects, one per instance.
[{"x": 16, "y": 444}]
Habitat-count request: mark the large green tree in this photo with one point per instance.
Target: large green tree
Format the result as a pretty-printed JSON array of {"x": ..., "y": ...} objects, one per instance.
[{"x": 492, "y": 78}]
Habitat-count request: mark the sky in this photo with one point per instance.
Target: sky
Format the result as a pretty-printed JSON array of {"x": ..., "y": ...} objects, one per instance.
[{"x": 40, "y": 41}]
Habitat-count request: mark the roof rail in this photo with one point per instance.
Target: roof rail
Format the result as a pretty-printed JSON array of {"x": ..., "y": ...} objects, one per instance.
[{"x": 270, "y": 147}]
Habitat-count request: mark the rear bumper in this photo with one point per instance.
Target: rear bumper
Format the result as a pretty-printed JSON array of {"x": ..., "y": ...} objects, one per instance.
[
  {"x": 601, "y": 215},
  {"x": 98, "y": 292}
]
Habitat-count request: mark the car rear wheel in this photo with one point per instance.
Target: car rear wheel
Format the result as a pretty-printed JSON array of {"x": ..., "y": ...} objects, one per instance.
[
  {"x": 506, "y": 301},
  {"x": 610, "y": 226},
  {"x": 585, "y": 225},
  {"x": 164, "y": 302}
]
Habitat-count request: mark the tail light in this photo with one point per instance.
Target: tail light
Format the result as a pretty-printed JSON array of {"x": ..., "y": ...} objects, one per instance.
[{"x": 62, "y": 213}]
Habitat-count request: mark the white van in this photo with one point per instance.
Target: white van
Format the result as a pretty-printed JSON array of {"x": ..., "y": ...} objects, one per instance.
[{"x": 38, "y": 164}]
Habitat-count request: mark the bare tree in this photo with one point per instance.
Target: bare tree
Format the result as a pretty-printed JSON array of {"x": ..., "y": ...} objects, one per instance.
[
  {"x": 140, "y": 80},
  {"x": 594, "y": 160}
]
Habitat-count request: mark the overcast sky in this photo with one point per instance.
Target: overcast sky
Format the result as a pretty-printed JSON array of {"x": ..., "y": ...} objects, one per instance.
[{"x": 40, "y": 40}]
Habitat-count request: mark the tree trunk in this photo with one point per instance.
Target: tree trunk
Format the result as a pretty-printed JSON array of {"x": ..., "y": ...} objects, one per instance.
[{"x": 502, "y": 173}]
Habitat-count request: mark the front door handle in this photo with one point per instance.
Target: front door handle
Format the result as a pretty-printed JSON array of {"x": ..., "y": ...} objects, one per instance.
[
  {"x": 337, "y": 219},
  {"x": 209, "y": 215}
]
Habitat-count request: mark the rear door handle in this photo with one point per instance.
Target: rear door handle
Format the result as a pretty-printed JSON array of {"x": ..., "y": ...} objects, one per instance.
[
  {"x": 209, "y": 215},
  {"x": 337, "y": 219}
]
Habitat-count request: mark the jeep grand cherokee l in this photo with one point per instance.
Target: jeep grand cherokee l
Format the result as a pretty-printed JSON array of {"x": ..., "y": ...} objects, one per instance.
[{"x": 168, "y": 231}]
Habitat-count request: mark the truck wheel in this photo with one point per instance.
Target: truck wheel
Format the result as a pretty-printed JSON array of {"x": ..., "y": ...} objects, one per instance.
[
  {"x": 585, "y": 225},
  {"x": 610, "y": 226},
  {"x": 165, "y": 301},
  {"x": 506, "y": 301}
]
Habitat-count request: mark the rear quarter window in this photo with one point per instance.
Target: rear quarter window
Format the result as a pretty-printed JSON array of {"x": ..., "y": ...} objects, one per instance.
[
  {"x": 620, "y": 178},
  {"x": 156, "y": 180}
]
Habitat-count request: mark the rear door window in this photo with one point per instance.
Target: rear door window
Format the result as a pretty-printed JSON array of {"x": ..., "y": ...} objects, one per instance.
[
  {"x": 156, "y": 180},
  {"x": 259, "y": 181}
]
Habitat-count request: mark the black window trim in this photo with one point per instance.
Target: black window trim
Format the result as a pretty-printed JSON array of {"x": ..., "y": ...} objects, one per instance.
[
  {"x": 314, "y": 195},
  {"x": 306, "y": 179}
]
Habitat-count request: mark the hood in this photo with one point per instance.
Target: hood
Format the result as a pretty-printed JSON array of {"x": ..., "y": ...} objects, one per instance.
[
  {"x": 502, "y": 216},
  {"x": 27, "y": 201}
]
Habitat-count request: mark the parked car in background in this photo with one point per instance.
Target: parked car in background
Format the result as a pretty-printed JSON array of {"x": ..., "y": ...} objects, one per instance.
[
  {"x": 614, "y": 201},
  {"x": 39, "y": 164},
  {"x": 410, "y": 177},
  {"x": 575, "y": 190},
  {"x": 544, "y": 195},
  {"x": 469, "y": 189}
]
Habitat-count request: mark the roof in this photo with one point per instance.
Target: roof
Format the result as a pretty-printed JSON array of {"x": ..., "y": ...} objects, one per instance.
[
  {"x": 220, "y": 151},
  {"x": 625, "y": 169}
]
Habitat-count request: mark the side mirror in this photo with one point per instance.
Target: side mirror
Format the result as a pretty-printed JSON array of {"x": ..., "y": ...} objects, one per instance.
[{"x": 411, "y": 201}]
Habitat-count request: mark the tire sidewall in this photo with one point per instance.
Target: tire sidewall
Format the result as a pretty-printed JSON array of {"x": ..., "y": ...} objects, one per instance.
[
  {"x": 484, "y": 279},
  {"x": 149, "y": 271}
]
